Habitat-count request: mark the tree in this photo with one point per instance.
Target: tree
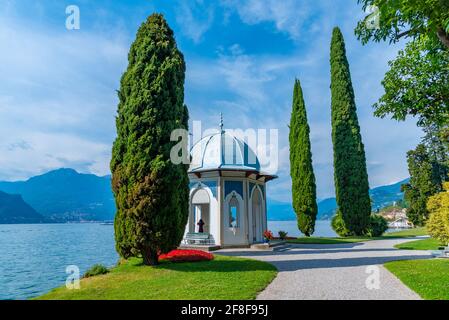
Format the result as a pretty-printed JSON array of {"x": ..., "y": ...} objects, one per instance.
[
  {"x": 151, "y": 192},
  {"x": 422, "y": 185},
  {"x": 417, "y": 84},
  {"x": 438, "y": 208},
  {"x": 301, "y": 169},
  {"x": 438, "y": 153},
  {"x": 350, "y": 174},
  {"x": 406, "y": 18}
]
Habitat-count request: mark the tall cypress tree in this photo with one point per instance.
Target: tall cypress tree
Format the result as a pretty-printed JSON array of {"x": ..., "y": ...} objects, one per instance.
[
  {"x": 350, "y": 174},
  {"x": 151, "y": 192},
  {"x": 301, "y": 169}
]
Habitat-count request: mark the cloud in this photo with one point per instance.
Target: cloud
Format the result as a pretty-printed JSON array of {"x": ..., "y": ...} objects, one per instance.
[
  {"x": 195, "y": 18},
  {"x": 57, "y": 107},
  {"x": 287, "y": 15},
  {"x": 256, "y": 90}
]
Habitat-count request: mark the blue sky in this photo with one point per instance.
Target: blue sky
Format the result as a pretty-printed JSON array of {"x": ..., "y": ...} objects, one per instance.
[{"x": 58, "y": 93}]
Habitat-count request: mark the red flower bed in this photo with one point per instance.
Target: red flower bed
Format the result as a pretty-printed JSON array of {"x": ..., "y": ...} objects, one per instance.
[{"x": 187, "y": 256}]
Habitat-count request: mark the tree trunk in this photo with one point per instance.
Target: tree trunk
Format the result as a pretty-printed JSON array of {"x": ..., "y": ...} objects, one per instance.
[
  {"x": 150, "y": 257},
  {"x": 443, "y": 36}
]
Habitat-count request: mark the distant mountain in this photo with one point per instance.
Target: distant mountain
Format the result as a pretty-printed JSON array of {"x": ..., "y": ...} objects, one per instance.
[
  {"x": 66, "y": 195},
  {"x": 14, "y": 210},
  {"x": 382, "y": 197}
]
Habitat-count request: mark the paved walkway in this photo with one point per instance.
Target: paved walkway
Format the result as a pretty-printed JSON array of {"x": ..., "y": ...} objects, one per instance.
[{"x": 335, "y": 272}]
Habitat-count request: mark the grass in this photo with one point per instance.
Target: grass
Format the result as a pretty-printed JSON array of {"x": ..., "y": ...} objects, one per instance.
[
  {"x": 428, "y": 278},
  {"x": 425, "y": 244},
  {"x": 323, "y": 240},
  {"x": 222, "y": 278},
  {"x": 416, "y": 232},
  {"x": 339, "y": 240}
]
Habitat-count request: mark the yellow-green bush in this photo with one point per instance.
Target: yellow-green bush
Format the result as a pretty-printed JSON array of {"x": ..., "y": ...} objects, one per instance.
[{"x": 438, "y": 223}]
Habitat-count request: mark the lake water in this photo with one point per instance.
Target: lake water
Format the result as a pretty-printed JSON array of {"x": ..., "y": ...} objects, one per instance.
[
  {"x": 34, "y": 257},
  {"x": 322, "y": 228}
]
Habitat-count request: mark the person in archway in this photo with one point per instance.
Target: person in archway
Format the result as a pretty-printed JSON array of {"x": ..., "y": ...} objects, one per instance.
[{"x": 201, "y": 226}]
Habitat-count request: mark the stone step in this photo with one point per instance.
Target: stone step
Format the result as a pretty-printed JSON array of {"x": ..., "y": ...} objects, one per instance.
[{"x": 268, "y": 246}]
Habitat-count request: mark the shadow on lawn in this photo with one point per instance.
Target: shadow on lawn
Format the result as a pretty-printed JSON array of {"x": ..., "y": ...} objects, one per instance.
[{"x": 218, "y": 265}]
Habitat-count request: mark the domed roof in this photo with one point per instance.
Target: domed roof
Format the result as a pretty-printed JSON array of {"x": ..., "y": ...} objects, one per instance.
[{"x": 223, "y": 151}]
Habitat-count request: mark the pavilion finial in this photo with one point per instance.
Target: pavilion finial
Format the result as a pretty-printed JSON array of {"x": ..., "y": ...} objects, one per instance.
[{"x": 221, "y": 122}]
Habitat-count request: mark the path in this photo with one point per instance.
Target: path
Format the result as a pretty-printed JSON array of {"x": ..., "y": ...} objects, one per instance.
[{"x": 334, "y": 272}]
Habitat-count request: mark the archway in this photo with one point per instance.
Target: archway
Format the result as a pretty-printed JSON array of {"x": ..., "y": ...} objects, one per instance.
[
  {"x": 257, "y": 219},
  {"x": 200, "y": 209}
]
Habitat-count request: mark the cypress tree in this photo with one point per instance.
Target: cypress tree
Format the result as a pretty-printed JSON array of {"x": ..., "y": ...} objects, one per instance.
[
  {"x": 301, "y": 169},
  {"x": 350, "y": 174},
  {"x": 151, "y": 193}
]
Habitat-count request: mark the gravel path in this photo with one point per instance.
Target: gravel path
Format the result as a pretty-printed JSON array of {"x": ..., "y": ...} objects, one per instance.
[{"x": 335, "y": 272}]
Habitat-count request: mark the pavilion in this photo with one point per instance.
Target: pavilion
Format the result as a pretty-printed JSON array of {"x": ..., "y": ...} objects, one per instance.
[{"x": 227, "y": 192}]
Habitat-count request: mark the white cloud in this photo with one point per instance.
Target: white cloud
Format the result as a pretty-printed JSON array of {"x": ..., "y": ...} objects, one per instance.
[
  {"x": 59, "y": 99},
  {"x": 287, "y": 15},
  {"x": 194, "y": 18}
]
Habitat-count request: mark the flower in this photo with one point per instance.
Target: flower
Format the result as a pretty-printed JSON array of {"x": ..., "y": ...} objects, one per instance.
[
  {"x": 268, "y": 235},
  {"x": 186, "y": 256}
]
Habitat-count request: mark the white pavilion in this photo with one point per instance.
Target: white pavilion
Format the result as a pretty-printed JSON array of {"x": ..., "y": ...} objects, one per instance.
[{"x": 227, "y": 192}]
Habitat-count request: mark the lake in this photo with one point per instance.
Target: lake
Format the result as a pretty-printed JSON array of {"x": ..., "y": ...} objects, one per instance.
[{"x": 34, "y": 257}]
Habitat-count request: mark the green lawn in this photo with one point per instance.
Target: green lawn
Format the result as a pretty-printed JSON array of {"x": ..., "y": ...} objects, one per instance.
[
  {"x": 424, "y": 244},
  {"x": 221, "y": 278},
  {"x": 428, "y": 278},
  {"x": 416, "y": 232},
  {"x": 338, "y": 240},
  {"x": 323, "y": 240}
]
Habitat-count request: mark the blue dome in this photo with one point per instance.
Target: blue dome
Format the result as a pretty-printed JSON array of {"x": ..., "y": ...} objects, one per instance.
[{"x": 223, "y": 151}]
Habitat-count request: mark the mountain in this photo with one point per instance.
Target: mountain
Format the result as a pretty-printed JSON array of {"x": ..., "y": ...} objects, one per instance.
[
  {"x": 382, "y": 196},
  {"x": 14, "y": 210},
  {"x": 66, "y": 195}
]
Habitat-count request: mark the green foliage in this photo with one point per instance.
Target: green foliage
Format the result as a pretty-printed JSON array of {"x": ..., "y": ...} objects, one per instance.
[
  {"x": 350, "y": 174},
  {"x": 282, "y": 235},
  {"x": 407, "y": 18},
  {"x": 424, "y": 244},
  {"x": 339, "y": 226},
  {"x": 417, "y": 84},
  {"x": 224, "y": 278},
  {"x": 151, "y": 192},
  {"x": 96, "y": 270},
  {"x": 422, "y": 185},
  {"x": 301, "y": 169},
  {"x": 438, "y": 208},
  {"x": 377, "y": 226},
  {"x": 428, "y": 278}
]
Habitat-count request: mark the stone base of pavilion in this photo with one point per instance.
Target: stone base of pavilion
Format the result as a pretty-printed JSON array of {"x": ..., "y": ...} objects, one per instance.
[
  {"x": 200, "y": 247},
  {"x": 272, "y": 245}
]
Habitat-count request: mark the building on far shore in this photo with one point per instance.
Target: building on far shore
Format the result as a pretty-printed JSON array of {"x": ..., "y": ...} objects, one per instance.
[{"x": 227, "y": 192}]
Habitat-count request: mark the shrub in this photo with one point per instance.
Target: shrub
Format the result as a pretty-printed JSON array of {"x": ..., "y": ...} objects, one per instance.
[
  {"x": 377, "y": 226},
  {"x": 96, "y": 270},
  {"x": 282, "y": 235},
  {"x": 187, "y": 256},
  {"x": 438, "y": 222},
  {"x": 339, "y": 226}
]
